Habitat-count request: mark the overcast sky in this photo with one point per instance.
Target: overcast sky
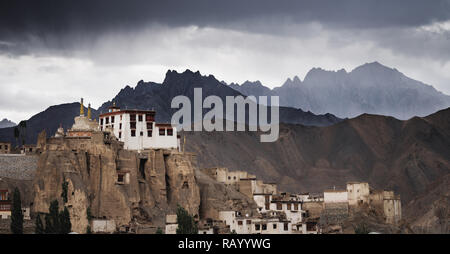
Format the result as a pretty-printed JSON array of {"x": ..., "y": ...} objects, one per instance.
[{"x": 54, "y": 52}]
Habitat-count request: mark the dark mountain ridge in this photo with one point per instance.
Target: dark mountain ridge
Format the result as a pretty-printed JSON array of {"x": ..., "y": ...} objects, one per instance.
[
  {"x": 150, "y": 95},
  {"x": 5, "y": 123},
  {"x": 370, "y": 88}
]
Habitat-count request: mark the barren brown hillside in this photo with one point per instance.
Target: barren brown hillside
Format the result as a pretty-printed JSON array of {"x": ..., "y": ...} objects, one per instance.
[{"x": 405, "y": 156}]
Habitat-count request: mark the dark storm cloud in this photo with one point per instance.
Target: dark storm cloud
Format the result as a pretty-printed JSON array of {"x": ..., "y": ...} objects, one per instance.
[{"x": 44, "y": 20}]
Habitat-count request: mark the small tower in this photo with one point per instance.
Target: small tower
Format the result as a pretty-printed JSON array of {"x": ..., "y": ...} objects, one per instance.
[
  {"x": 113, "y": 108},
  {"x": 81, "y": 108},
  {"x": 89, "y": 112}
]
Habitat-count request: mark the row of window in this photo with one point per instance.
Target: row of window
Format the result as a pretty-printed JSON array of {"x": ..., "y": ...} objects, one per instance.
[
  {"x": 148, "y": 118},
  {"x": 162, "y": 132},
  {"x": 5, "y": 207},
  {"x": 3, "y": 196},
  {"x": 288, "y": 206},
  {"x": 6, "y": 147},
  {"x": 264, "y": 225}
]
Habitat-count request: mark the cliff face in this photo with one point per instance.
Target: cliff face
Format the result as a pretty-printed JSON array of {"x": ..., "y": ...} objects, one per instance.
[{"x": 115, "y": 184}]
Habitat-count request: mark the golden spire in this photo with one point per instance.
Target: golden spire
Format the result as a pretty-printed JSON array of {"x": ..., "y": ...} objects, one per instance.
[
  {"x": 81, "y": 108},
  {"x": 89, "y": 111}
]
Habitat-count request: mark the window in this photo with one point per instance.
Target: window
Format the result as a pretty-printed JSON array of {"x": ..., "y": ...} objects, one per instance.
[
  {"x": 142, "y": 133},
  {"x": 286, "y": 226},
  {"x": 120, "y": 178},
  {"x": 120, "y": 126},
  {"x": 149, "y": 126},
  {"x": 264, "y": 226},
  {"x": 257, "y": 226},
  {"x": 170, "y": 132},
  {"x": 288, "y": 206},
  {"x": 149, "y": 118},
  {"x": 234, "y": 177},
  {"x": 112, "y": 119},
  {"x": 149, "y": 133},
  {"x": 239, "y": 222},
  {"x": 133, "y": 133},
  {"x": 162, "y": 131},
  {"x": 120, "y": 117},
  {"x": 274, "y": 226},
  {"x": 296, "y": 207},
  {"x": 132, "y": 125},
  {"x": 0, "y": 146},
  {"x": 248, "y": 222},
  {"x": 140, "y": 118},
  {"x": 132, "y": 118},
  {"x": 101, "y": 121},
  {"x": 267, "y": 206},
  {"x": 279, "y": 206},
  {"x": 107, "y": 120},
  {"x": 229, "y": 178},
  {"x": 30, "y": 149}
]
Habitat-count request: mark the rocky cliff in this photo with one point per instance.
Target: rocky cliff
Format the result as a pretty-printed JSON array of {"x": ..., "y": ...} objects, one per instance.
[{"x": 114, "y": 184}]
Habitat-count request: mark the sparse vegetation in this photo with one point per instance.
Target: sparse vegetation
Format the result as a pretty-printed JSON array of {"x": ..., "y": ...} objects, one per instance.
[
  {"x": 186, "y": 223},
  {"x": 64, "y": 222},
  {"x": 39, "y": 227},
  {"x": 57, "y": 222},
  {"x": 64, "y": 186},
  {"x": 361, "y": 228},
  {"x": 17, "y": 214}
]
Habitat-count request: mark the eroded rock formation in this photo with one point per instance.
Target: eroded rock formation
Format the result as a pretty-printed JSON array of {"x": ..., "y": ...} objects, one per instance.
[{"x": 114, "y": 184}]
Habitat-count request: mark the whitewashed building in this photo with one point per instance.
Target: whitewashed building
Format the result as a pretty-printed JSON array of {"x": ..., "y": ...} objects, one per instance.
[
  {"x": 255, "y": 225},
  {"x": 335, "y": 196},
  {"x": 358, "y": 193},
  {"x": 138, "y": 130}
]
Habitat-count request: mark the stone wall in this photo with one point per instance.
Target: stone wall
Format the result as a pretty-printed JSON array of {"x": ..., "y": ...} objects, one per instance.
[
  {"x": 334, "y": 213},
  {"x": 18, "y": 166}
]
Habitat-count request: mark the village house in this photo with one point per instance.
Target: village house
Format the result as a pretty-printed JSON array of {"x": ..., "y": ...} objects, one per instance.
[
  {"x": 5, "y": 204},
  {"x": 138, "y": 129},
  {"x": 263, "y": 224},
  {"x": 28, "y": 149},
  {"x": 171, "y": 224},
  {"x": 389, "y": 203},
  {"x": 242, "y": 181},
  {"x": 358, "y": 193},
  {"x": 5, "y": 148},
  {"x": 335, "y": 209}
]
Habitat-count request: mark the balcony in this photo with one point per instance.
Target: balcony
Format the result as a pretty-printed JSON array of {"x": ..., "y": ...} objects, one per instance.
[{"x": 5, "y": 205}]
